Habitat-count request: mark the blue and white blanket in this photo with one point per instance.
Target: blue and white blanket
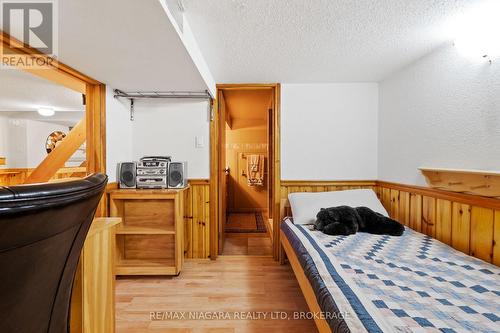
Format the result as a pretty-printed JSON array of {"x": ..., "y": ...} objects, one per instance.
[{"x": 411, "y": 283}]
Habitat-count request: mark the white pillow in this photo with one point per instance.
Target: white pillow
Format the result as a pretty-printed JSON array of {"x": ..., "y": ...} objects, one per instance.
[{"x": 306, "y": 205}]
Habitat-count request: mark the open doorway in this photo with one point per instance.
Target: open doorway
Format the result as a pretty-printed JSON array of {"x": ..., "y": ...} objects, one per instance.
[{"x": 246, "y": 127}]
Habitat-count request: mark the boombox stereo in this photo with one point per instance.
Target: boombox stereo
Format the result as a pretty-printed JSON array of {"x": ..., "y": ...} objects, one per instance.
[
  {"x": 177, "y": 175},
  {"x": 152, "y": 172},
  {"x": 126, "y": 174}
]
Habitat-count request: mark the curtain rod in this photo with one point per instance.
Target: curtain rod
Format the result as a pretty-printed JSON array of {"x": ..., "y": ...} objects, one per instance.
[{"x": 165, "y": 94}]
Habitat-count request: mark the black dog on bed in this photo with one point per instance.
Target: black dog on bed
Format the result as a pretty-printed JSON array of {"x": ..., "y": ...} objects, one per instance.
[{"x": 345, "y": 220}]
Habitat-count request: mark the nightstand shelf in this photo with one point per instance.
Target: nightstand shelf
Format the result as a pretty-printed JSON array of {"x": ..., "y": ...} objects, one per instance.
[{"x": 145, "y": 230}]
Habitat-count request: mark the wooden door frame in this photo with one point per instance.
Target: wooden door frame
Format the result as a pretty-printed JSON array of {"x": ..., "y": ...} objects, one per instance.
[
  {"x": 215, "y": 166},
  {"x": 95, "y": 97}
]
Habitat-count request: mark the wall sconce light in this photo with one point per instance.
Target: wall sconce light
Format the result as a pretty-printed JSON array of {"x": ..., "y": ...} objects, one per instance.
[{"x": 477, "y": 32}]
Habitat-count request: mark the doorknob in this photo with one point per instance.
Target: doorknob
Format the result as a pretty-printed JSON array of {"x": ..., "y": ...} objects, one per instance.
[{"x": 227, "y": 170}]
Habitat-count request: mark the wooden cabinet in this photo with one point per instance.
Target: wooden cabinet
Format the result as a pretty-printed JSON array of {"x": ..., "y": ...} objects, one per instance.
[
  {"x": 93, "y": 296},
  {"x": 150, "y": 239}
]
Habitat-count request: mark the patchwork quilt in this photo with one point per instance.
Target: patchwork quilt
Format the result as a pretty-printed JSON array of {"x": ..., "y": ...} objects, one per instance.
[{"x": 412, "y": 283}]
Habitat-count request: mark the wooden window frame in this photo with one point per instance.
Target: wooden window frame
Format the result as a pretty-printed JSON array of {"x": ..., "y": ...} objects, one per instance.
[{"x": 95, "y": 108}]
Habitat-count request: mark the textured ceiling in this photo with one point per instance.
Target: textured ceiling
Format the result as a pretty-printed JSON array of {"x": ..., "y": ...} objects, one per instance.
[{"x": 317, "y": 40}]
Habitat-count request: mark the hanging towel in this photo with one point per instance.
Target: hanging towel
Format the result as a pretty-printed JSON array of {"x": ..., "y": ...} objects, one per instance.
[{"x": 255, "y": 170}]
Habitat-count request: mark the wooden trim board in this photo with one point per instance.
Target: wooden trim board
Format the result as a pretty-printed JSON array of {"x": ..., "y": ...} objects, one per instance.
[
  {"x": 479, "y": 182},
  {"x": 53, "y": 70}
]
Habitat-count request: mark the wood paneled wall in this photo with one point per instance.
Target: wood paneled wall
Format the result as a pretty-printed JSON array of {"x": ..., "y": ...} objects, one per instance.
[
  {"x": 468, "y": 223},
  {"x": 197, "y": 219},
  {"x": 9, "y": 177}
]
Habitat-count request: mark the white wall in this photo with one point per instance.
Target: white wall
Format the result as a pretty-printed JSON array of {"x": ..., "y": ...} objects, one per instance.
[
  {"x": 22, "y": 141},
  {"x": 169, "y": 128},
  {"x": 118, "y": 133},
  {"x": 329, "y": 131},
  {"x": 16, "y": 144},
  {"x": 36, "y": 137},
  {"x": 332, "y": 127},
  {"x": 442, "y": 111},
  {"x": 3, "y": 135},
  {"x": 13, "y": 142},
  {"x": 160, "y": 127}
]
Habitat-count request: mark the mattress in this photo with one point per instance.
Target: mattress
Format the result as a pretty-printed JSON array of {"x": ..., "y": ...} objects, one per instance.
[{"x": 411, "y": 283}]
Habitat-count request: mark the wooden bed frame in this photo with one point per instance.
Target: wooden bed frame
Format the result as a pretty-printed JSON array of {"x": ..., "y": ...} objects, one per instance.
[
  {"x": 468, "y": 223},
  {"x": 305, "y": 286}
]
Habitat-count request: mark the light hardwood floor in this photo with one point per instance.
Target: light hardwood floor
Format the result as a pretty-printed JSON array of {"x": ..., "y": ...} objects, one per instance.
[
  {"x": 231, "y": 283},
  {"x": 248, "y": 244}
]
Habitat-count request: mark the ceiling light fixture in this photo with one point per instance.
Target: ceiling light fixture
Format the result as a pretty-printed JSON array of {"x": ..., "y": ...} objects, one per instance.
[
  {"x": 478, "y": 30},
  {"x": 46, "y": 112}
]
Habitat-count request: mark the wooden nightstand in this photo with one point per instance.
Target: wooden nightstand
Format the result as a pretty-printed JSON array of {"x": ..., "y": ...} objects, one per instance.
[{"x": 150, "y": 239}]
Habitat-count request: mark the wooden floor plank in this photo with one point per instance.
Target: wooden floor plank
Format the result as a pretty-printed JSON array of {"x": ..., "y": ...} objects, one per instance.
[{"x": 231, "y": 283}]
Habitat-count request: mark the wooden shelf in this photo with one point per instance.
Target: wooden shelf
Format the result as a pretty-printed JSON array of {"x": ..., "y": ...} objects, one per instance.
[
  {"x": 145, "y": 230},
  {"x": 146, "y": 267},
  {"x": 478, "y": 182},
  {"x": 150, "y": 239}
]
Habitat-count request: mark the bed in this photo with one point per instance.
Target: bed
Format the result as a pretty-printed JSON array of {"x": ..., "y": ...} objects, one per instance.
[{"x": 380, "y": 283}]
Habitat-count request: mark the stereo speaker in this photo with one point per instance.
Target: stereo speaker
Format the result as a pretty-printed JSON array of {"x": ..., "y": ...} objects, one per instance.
[
  {"x": 127, "y": 174},
  {"x": 177, "y": 175}
]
